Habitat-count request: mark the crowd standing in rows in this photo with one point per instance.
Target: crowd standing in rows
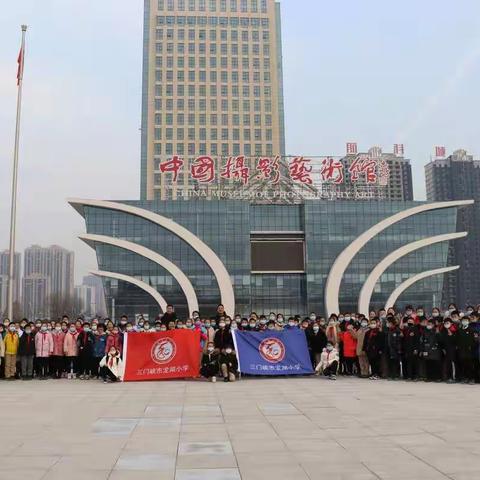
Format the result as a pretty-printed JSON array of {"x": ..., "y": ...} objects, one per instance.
[{"x": 412, "y": 345}]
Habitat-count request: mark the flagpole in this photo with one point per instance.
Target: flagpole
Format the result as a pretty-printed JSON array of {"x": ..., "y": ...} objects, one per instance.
[{"x": 13, "y": 212}]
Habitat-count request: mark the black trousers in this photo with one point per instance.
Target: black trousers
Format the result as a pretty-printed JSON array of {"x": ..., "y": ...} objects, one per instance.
[
  {"x": 375, "y": 364},
  {"x": 208, "y": 371},
  {"x": 106, "y": 372},
  {"x": 85, "y": 362},
  {"x": 393, "y": 368},
  {"x": 465, "y": 369},
  {"x": 96, "y": 366},
  {"x": 58, "y": 365},
  {"x": 71, "y": 364},
  {"x": 349, "y": 363},
  {"x": 447, "y": 368},
  {"x": 410, "y": 367},
  {"x": 42, "y": 363},
  {"x": 331, "y": 369},
  {"x": 432, "y": 368}
]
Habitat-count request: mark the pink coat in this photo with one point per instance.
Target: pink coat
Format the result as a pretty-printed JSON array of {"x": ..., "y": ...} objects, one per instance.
[
  {"x": 43, "y": 344},
  {"x": 70, "y": 344},
  {"x": 58, "y": 339}
]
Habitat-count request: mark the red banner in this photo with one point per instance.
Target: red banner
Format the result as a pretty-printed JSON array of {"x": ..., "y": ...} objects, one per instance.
[{"x": 157, "y": 356}]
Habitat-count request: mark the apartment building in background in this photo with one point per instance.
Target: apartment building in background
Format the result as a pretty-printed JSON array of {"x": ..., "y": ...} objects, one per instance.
[
  {"x": 457, "y": 177},
  {"x": 4, "y": 269},
  {"x": 212, "y": 85},
  {"x": 48, "y": 271}
]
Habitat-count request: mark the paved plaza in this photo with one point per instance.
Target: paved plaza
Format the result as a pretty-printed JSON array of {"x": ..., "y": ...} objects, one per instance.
[{"x": 255, "y": 429}]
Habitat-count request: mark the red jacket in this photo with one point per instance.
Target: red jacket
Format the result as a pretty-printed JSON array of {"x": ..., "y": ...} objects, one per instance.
[
  {"x": 114, "y": 341},
  {"x": 349, "y": 344},
  {"x": 58, "y": 339}
]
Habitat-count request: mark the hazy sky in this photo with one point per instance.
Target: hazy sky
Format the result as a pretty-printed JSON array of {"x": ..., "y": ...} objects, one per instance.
[{"x": 372, "y": 71}]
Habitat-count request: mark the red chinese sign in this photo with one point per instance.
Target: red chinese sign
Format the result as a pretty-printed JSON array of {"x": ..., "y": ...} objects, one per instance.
[
  {"x": 157, "y": 356},
  {"x": 305, "y": 171}
]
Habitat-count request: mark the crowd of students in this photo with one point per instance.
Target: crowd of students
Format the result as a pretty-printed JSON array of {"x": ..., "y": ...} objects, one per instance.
[{"x": 412, "y": 345}]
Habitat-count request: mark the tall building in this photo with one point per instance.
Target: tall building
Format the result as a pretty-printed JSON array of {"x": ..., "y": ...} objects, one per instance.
[
  {"x": 212, "y": 85},
  {"x": 399, "y": 186},
  {"x": 36, "y": 294},
  {"x": 457, "y": 177},
  {"x": 47, "y": 271},
  {"x": 4, "y": 268},
  {"x": 89, "y": 297}
]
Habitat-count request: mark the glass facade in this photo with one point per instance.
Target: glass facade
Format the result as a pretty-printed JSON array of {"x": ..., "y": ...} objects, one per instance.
[{"x": 227, "y": 228}]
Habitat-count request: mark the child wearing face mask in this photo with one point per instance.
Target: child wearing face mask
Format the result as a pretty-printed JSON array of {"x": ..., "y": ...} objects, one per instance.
[
  {"x": 362, "y": 359},
  {"x": 209, "y": 368},
  {"x": 11, "y": 349},
  {"x": 228, "y": 364},
  {"x": 465, "y": 352},
  {"x": 328, "y": 365},
  {"x": 43, "y": 350},
  {"x": 85, "y": 342},
  {"x": 26, "y": 351},
  {"x": 58, "y": 359},
  {"x": 70, "y": 350},
  {"x": 448, "y": 343},
  {"x": 99, "y": 347},
  {"x": 317, "y": 341},
  {"x": 431, "y": 351},
  {"x": 349, "y": 341},
  {"x": 111, "y": 366},
  {"x": 114, "y": 340},
  {"x": 223, "y": 336}
]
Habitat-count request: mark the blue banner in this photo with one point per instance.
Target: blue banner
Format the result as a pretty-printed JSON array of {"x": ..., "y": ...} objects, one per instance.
[{"x": 273, "y": 352}]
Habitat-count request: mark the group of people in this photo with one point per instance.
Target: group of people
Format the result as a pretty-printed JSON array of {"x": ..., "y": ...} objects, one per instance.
[
  {"x": 60, "y": 349},
  {"x": 412, "y": 344}
]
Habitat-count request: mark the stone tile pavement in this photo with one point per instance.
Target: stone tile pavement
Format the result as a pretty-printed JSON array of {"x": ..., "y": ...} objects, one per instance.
[{"x": 255, "y": 429}]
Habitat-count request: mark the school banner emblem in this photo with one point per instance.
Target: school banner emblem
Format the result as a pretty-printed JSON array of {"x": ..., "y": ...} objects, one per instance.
[
  {"x": 162, "y": 355},
  {"x": 273, "y": 353}
]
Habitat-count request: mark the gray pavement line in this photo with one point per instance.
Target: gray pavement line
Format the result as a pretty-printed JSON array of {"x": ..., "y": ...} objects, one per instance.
[
  {"x": 425, "y": 462},
  {"x": 123, "y": 448}
]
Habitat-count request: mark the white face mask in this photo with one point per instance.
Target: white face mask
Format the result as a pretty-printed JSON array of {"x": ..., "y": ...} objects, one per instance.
[
  {"x": 228, "y": 350},
  {"x": 435, "y": 314},
  {"x": 329, "y": 348},
  {"x": 12, "y": 328},
  {"x": 316, "y": 329},
  {"x": 465, "y": 323},
  {"x": 429, "y": 327},
  {"x": 313, "y": 317},
  {"x": 211, "y": 349},
  {"x": 447, "y": 325},
  {"x": 364, "y": 324}
]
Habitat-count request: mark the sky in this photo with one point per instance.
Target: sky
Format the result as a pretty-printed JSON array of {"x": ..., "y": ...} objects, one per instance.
[{"x": 372, "y": 71}]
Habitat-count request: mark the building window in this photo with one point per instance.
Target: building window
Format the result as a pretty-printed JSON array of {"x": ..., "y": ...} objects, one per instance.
[
  {"x": 254, "y": 6},
  {"x": 223, "y": 5},
  {"x": 213, "y": 5},
  {"x": 191, "y": 149},
  {"x": 158, "y": 134},
  {"x": 213, "y": 149},
  {"x": 157, "y": 149},
  {"x": 201, "y": 5},
  {"x": 161, "y": 4},
  {"x": 170, "y": 5},
  {"x": 191, "y": 5},
  {"x": 225, "y": 149},
  {"x": 169, "y": 133},
  {"x": 181, "y": 119},
  {"x": 169, "y": 148},
  {"x": 191, "y": 119},
  {"x": 243, "y": 6},
  {"x": 169, "y": 118},
  {"x": 213, "y": 134},
  {"x": 246, "y": 134},
  {"x": 233, "y": 5}
]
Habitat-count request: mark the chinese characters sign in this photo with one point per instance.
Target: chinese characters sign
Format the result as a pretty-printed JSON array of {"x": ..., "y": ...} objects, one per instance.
[{"x": 243, "y": 171}]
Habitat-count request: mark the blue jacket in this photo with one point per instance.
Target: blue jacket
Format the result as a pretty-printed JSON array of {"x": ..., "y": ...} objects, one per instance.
[{"x": 99, "y": 345}]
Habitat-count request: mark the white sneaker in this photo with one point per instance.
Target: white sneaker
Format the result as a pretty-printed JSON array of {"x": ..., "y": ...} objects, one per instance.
[{"x": 214, "y": 379}]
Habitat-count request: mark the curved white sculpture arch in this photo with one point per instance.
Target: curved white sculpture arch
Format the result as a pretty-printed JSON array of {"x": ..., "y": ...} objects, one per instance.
[
  {"x": 332, "y": 286},
  {"x": 367, "y": 288},
  {"x": 134, "y": 281},
  {"x": 181, "y": 278},
  {"x": 414, "y": 279},
  {"x": 227, "y": 295}
]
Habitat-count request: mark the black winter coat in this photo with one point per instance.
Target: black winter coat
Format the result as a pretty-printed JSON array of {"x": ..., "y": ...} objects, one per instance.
[
  {"x": 223, "y": 339},
  {"x": 316, "y": 341},
  {"x": 411, "y": 340},
  {"x": 430, "y": 345},
  {"x": 465, "y": 343},
  {"x": 394, "y": 343},
  {"x": 448, "y": 343},
  {"x": 26, "y": 344},
  {"x": 374, "y": 343}
]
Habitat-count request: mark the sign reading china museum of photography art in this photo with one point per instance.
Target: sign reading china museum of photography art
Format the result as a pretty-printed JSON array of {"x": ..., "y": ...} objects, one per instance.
[{"x": 276, "y": 178}]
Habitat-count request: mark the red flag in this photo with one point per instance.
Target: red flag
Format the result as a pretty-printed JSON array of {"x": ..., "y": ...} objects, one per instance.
[
  {"x": 156, "y": 356},
  {"x": 20, "y": 65},
  {"x": 440, "y": 151}
]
